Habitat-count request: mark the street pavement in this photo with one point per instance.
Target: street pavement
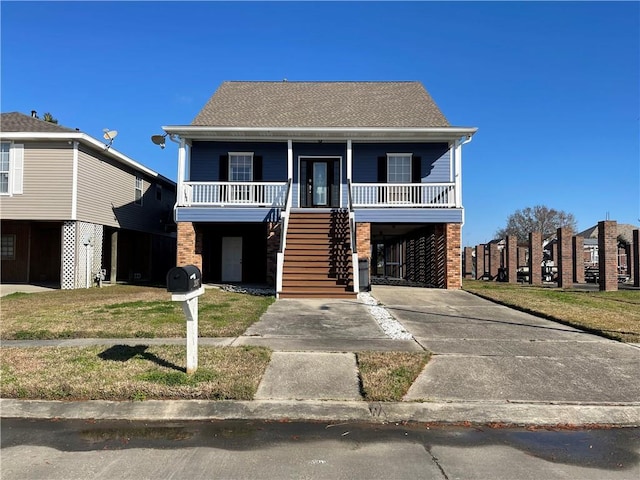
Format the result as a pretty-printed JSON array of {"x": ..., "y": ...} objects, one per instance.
[
  {"x": 104, "y": 450},
  {"x": 490, "y": 364}
]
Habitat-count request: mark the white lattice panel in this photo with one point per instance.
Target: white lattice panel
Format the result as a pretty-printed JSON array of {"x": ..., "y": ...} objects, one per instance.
[
  {"x": 75, "y": 253},
  {"x": 67, "y": 280}
]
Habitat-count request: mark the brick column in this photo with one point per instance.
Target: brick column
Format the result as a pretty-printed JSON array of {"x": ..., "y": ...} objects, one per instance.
[
  {"x": 522, "y": 256},
  {"x": 629, "y": 253},
  {"x": 454, "y": 257},
  {"x": 494, "y": 260},
  {"x": 512, "y": 258},
  {"x": 479, "y": 262},
  {"x": 565, "y": 258},
  {"x": 578, "y": 260},
  {"x": 636, "y": 258},
  {"x": 608, "y": 255},
  {"x": 468, "y": 263},
  {"x": 535, "y": 258},
  {"x": 189, "y": 245},
  {"x": 363, "y": 240}
]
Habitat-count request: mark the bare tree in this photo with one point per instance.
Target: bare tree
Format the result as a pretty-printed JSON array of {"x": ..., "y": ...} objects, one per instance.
[{"x": 536, "y": 219}]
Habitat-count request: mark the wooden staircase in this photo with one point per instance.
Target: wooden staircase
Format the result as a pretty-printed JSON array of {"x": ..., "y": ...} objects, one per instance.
[{"x": 317, "y": 258}]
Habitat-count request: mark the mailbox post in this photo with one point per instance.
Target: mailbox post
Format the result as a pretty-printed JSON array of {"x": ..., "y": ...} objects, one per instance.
[{"x": 185, "y": 285}]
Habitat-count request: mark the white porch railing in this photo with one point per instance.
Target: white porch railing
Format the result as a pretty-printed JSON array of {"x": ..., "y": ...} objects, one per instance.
[
  {"x": 381, "y": 195},
  {"x": 255, "y": 194}
]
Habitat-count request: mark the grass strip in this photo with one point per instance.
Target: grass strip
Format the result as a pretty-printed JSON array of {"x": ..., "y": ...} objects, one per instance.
[
  {"x": 614, "y": 315},
  {"x": 387, "y": 376},
  {"x": 123, "y": 372}
]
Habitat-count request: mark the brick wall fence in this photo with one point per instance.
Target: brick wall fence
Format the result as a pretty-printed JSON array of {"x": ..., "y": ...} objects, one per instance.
[{"x": 567, "y": 252}]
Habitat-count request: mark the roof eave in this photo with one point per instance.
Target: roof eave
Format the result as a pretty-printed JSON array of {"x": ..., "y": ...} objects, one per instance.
[
  {"x": 87, "y": 140},
  {"x": 197, "y": 132}
]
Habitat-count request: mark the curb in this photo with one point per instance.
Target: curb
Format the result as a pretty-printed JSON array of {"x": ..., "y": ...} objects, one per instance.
[{"x": 517, "y": 414}]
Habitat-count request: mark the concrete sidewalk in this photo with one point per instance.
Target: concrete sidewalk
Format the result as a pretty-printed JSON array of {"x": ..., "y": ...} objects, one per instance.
[{"x": 489, "y": 364}]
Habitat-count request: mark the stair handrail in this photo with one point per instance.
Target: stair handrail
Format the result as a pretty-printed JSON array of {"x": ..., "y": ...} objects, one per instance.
[
  {"x": 354, "y": 242},
  {"x": 352, "y": 219},
  {"x": 284, "y": 223},
  {"x": 285, "y": 218}
]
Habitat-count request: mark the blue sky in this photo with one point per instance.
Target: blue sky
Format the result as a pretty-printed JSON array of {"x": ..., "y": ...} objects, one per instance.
[{"x": 553, "y": 87}]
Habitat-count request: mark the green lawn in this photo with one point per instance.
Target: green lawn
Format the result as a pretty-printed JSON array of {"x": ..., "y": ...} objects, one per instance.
[
  {"x": 615, "y": 315},
  {"x": 124, "y": 311}
]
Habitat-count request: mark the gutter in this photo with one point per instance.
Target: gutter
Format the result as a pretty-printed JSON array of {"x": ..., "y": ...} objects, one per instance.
[{"x": 409, "y": 133}]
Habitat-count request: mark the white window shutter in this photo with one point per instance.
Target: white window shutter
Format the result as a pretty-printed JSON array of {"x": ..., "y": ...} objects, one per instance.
[{"x": 17, "y": 167}]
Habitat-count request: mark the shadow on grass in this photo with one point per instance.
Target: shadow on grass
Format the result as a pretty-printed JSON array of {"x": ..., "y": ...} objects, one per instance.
[{"x": 124, "y": 353}]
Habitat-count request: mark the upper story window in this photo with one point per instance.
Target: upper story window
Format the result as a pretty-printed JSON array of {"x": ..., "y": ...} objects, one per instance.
[
  {"x": 240, "y": 167},
  {"x": 4, "y": 167},
  {"x": 11, "y": 168},
  {"x": 139, "y": 190},
  {"x": 399, "y": 168}
]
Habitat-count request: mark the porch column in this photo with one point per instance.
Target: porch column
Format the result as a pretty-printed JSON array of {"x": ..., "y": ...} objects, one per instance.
[
  {"x": 454, "y": 256},
  {"x": 457, "y": 172},
  {"x": 349, "y": 159},
  {"x": 182, "y": 160},
  {"x": 189, "y": 245}
]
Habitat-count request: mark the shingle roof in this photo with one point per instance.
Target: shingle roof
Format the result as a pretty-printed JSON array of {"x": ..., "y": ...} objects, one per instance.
[
  {"x": 625, "y": 230},
  {"x": 19, "y": 122},
  {"x": 321, "y": 104}
]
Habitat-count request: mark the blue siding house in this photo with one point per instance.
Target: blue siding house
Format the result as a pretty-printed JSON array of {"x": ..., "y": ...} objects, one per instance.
[{"x": 296, "y": 184}]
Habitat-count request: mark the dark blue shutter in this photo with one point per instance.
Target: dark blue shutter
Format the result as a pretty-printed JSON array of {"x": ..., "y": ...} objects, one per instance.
[
  {"x": 257, "y": 168},
  {"x": 224, "y": 168}
]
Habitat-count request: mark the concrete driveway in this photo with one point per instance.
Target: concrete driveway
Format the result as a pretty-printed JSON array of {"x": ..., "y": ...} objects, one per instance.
[{"x": 487, "y": 352}]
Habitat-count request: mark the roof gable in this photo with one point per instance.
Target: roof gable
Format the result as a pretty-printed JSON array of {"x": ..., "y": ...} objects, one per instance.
[
  {"x": 19, "y": 122},
  {"x": 321, "y": 104},
  {"x": 625, "y": 230}
]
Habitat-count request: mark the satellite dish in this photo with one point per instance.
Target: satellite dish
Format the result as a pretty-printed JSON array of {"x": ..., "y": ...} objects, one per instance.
[{"x": 109, "y": 134}]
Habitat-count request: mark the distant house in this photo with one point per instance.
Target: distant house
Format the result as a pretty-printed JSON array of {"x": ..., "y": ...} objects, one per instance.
[
  {"x": 72, "y": 207},
  {"x": 300, "y": 184},
  {"x": 625, "y": 239}
]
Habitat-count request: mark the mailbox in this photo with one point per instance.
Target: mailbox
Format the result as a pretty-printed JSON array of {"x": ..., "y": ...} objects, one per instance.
[{"x": 184, "y": 279}]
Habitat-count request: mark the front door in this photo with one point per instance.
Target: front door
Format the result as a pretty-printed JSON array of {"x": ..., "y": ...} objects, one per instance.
[
  {"x": 231, "y": 259},
  {"x": 321, "y": 187}
]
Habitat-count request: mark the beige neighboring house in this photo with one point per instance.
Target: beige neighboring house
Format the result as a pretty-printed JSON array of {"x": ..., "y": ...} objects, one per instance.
[
  {"x": 625, "y": 235},
  {"x": 71, "y": 207}
]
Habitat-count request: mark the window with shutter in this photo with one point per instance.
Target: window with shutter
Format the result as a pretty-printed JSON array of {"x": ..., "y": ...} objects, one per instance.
[{"x": 11, "y": 168}]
